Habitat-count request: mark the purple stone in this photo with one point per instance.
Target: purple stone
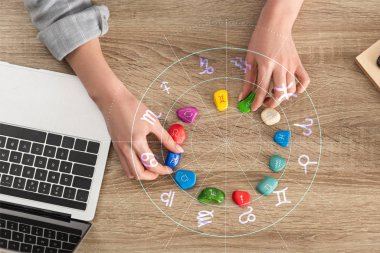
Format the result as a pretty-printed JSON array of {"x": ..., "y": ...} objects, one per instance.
[{"x": 187, "y": 114}]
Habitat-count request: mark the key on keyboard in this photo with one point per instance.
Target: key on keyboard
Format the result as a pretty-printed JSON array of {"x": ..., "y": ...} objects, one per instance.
[{"x": 46, "y": 167}]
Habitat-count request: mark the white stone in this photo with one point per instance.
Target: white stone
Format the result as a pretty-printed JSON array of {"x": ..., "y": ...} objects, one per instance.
[{"x": 270, "y": 116}]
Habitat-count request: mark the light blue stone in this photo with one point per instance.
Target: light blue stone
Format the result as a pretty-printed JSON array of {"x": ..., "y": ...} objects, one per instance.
[
  {"x": 172, "y": 160},
  {"x": 185, "y": 179},
  {"x": 277, "y": 163},
  {"x": 282, "y": 138},
  {"x": 267, "y": 185}
]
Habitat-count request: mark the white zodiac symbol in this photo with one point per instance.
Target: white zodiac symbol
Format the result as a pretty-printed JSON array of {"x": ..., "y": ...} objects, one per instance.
[
  {"x": 167, "y": 198},
  {"x": 205, "y": 217},
  {"x": 306, "y": 127},
  {"x": 150, "y": 117},
  {"x": 279, "y": 198},
  {"x": 188, "y": 114},
  {"x": 208, "y": 69},
  {"x": 165, "y": 87},
  {"x": 284, "y": 89},
  {"x": 305, "y": 164},
  {"x": 150, "y": 158},
  {"x": 250, "y": 216},
  {"x": 184, "y": 178},
  {"x": 174, "y": 160},
  {"x": 239, "y": 63}
]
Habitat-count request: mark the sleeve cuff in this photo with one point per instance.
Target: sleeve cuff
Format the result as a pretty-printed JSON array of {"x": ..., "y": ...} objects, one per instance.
[{"x": 70, "y": 32}]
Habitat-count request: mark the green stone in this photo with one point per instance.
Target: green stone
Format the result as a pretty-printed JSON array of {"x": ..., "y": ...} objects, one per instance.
[
  {"x": 267, "y": 185},
  {"x": 245, "y": 104},
  {"x": 277, "y": 163},
  {"x": 211, "y": 195}
]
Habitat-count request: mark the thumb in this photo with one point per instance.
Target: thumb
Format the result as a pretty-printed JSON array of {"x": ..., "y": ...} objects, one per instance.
[{"x": 167, "y": 140}]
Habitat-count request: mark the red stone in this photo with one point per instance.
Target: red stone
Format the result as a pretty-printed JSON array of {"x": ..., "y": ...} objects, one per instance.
[
  {"x": 241, "y": 198},
  {"x": 177, "y": 132}
]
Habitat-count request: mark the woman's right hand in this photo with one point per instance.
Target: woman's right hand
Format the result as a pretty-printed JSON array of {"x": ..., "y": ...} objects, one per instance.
[{"x": 129, "y": 132}]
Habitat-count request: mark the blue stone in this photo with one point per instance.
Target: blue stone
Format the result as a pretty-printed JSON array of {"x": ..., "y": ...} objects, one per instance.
[
  {"x": 282, "y": 138},
  {"x": 185, "y": 179},
  {"x": 172, "y": 160}
]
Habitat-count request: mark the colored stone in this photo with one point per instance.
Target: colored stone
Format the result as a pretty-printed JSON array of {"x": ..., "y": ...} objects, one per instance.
[
  {"x": 187, "y": 114},
  {"x": 172, "y": 160},
  {"x": 282, "y": 138},
  {"x": 211, "y": 195},
  {"x": 267, "y": 186},
  {"x": 241, "y": 198},
  {"x": 185, "y": 179},
  {"x": 277, "y": 163},
  {"x": 270, "y": 116},
  {"x": 221, "y": 100},
  {"x": 177, "y": 132},
  {"x": 245, "y": 104}
]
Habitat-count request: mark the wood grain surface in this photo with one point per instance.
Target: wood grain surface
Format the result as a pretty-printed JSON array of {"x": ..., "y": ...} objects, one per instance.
[{"x": 340, "y": 210}]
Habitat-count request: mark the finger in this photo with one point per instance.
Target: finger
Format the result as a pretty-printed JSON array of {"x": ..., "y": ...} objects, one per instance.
[
  {"x": 279, "y": 79},
  {"x": 264, "y": 75},
  {"x": 122, "y": 160},
  {"x": 166, "y": 139},
  {"x": 303, "y": 79},
  {"x": 124, "y": 164},
  {"x": 149, "y": 161},
  {"x": 136, "y": 167}
]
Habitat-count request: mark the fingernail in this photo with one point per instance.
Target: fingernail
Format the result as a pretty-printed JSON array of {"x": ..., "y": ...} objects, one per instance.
[
  {"x": 179, "y": 148},
  {"x": 240, "y": 96}
]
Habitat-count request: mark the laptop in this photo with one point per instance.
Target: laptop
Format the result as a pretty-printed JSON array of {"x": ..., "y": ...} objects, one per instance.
[{"x": 54, "y": 145}]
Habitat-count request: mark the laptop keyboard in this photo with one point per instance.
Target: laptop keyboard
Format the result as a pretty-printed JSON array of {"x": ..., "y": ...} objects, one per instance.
[
  {"x": 25, "y": 235},
  {"x": 46, "y": 167}
]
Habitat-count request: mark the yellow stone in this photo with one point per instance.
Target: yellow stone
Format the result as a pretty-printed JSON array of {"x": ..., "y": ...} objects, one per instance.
[{"x": 221, "y": 100}]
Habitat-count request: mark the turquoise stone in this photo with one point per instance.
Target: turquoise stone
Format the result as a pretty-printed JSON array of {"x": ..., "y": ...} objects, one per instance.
[
  {"x": 267, "y": 185},
  {"x": 185, "y": 179},
  {"x": 277, "y": 163}
]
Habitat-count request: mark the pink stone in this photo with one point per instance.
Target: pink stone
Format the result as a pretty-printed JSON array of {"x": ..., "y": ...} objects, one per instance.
[{"x": 187, "y": 114}]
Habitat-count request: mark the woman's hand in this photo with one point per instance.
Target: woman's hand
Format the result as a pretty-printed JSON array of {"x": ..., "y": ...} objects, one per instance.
[
  {"x": 129, "y": 136},
  {"x": 122, "y": 113},
  {"x": 273, "y": 42}
]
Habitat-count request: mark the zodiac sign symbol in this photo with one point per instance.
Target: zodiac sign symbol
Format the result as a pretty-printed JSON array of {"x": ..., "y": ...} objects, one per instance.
[
  {"x": 165, "y": 87},
  {"x": 184, "y": 178},
  {"x": 305, "y": 164},
  {"x": 306, "y": 127},
  {"x": 221, "y": 99},
  {"x": 175, "y": 132},
  {"x": 284, "y": 89},
  {"x": 167, "y": 198},
  {"x": 284, "y": 196},
  {"x": 174, "y": 160},
  {"x": 208, "y": 69},
  {"x": 250, "y": 216},
  {"x": 269, "y": 187},
  {"x": 150, "y": 117},
  {"x": 238, "y": 61},
  {"x": 205, "y": 217},
  {"x": 188, "y": 114},
  {"x": 150, "y": 158}
]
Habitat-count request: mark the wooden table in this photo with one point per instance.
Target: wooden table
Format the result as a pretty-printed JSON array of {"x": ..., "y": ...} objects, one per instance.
[{"x": 339, "y": 213}]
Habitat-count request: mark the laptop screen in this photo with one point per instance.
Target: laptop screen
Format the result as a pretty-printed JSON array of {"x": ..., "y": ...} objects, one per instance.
[{"x": 27, "y": 232}]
